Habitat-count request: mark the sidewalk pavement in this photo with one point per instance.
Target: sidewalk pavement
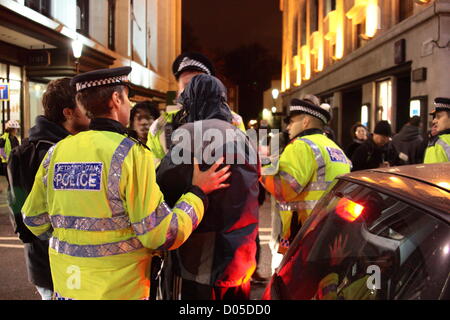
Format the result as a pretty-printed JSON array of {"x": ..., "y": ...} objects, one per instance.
[{"x": 14, "y": 284}]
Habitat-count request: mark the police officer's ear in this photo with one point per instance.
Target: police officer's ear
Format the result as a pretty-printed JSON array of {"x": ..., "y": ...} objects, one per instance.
[
  {"x": 68, "y": 113},
  {"x": 116, "y": 99}
]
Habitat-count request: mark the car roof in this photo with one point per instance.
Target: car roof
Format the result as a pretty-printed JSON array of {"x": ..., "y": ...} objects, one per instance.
[{"x": 425, "y": 185}]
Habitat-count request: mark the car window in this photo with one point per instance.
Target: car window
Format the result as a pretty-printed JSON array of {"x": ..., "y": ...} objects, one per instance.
[{"x": 362, "y": 244}]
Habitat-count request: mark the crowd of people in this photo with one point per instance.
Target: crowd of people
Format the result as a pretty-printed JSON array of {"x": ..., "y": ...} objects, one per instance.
[{"x": 107, "y": 211}]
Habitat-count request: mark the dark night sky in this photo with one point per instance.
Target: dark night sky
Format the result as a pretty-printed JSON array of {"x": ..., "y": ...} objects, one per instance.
[
  {"x": 227, "y": 24},
  {"x": 221, "y": 26}
]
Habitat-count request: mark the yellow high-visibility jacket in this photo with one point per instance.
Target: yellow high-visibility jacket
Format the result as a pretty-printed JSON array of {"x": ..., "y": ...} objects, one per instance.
[
  {"x": 156, "y": 139},
  {"x": 331, "y": 289},
  {"x": 304, "y": 172},
  {"x": 439, "y": 151},
  {"x": 97, "y": 195},
  {"x": 7, "y": 148}
]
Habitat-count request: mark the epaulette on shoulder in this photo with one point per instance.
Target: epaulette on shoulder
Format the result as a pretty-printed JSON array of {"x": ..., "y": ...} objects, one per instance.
[
  {"x": 139, "y": 143},
  {"x": 433, "y": 141}
]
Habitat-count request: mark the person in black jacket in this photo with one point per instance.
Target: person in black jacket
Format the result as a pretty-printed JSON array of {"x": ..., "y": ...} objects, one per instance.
[
  {"x": 218, "y": 260},
  {"x": 62, "y": 118},
  {"x": 408, "y": 142},
  {"x": 377, "y": 151}
]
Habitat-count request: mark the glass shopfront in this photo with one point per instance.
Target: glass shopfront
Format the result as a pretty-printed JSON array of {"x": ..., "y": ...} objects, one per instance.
[{"x": 11, "y": 93}]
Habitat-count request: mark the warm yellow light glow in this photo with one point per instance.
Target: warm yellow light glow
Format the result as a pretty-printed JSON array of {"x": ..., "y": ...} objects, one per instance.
[
  {"x": 444, "y": 185},
  {"x": 395, "y": 179},
  {"x": 339, "y": 30},
  {"x": 355, "y": 12},
  {"x": 306, "y": 60},
  {"x": 372, "y": 18},
  {"x": 299, "y": 77},
  {"x": 320, "y": 58},
  {"x": 332, "y": 18},
  {"x": 367, "y": 179},
  {"x": 317, "y": 50},
  {"x": 266, "y": 114},
  {"x": 298, "y": 67},
  {"x": 287, "y": 84}
]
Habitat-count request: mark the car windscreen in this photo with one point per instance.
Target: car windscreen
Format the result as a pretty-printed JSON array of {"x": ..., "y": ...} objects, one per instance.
[{"x": 363, "y": 244}]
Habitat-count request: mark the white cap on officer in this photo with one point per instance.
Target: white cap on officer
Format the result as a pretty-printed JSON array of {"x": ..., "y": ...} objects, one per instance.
[
  {"x": 322, "y": 112},
  {"x": 441, "y": 104},
  {"x": 101, "y": 78},
  {"x": 12, "y": 124}
]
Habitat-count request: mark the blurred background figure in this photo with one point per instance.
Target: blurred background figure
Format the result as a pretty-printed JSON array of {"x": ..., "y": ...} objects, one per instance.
[
  {"x": 377, "y": 151},
  {"x": 408, "y": 142},
  {"x": 8, "y": 141},
  {"x": 142, "y": 117},
  {"x": 359, "y": 134}
]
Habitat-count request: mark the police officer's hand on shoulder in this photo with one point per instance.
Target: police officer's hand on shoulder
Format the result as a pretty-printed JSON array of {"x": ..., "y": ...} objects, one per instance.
[{"x": 211, "y": 179}]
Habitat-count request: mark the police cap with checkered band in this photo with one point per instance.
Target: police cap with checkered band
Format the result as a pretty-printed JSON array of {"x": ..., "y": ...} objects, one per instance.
[
  {"x": 441, "y": 104},
  {"x": 102, "y": 78},
  {"x": 192, "y": 61},
  {"x": 322, "y": 112}
]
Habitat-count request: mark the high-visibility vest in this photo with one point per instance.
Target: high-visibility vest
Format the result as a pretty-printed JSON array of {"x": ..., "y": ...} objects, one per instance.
[
  {"x": 157, "y": 140},
  {"x": 97, "y": 193},
  {"x": 329, "y": 288},
  {"x": 8, "y": 147},
  {"x": 306, "y": 169},
  {"x": 439, "y": 151}
]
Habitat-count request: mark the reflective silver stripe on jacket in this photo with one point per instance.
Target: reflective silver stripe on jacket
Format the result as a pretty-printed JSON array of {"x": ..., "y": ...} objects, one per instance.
[
  {"x": 37, "y": 221},
  {"x": 297, "y": 187},
  {"x": 190, "y": 211},
  {"x": 171, "y": 235},
  {"x": 46, "y": 164},
  {"x": 301, "y": 205},
  {"x": 115, "y": 172},
  {"x": 445, "y": 146},
  {"x": 91, "y": 224},
  {"x": 149, "y": 223},
  {"x": 317, "y": 186},
  {"x": 153, "y": 220},
  {"x": 321, "y": 169},
  {"x": 277, "y": 186},
  {"x": 95, "y": 251}
]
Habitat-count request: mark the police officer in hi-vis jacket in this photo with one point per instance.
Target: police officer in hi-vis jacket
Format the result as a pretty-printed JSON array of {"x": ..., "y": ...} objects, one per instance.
[
  {"x": 439, "y": 148},
  {"x": 305, "y": 169},
  {"x": 95, "y": 195}
]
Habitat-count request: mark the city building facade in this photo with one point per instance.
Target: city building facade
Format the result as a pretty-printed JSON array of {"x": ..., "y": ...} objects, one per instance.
[
  {"x": 370, "y": 60},
  {"x": 39, "y": 38}
]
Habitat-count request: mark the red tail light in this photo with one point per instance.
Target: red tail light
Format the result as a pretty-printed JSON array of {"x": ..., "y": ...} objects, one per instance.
[{"x": 349, "y": 210}]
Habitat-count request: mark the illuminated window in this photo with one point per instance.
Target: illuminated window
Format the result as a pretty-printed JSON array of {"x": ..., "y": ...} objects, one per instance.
[
  {"x": 330, "y": 5},
  {"x": 83, "y": 17},
  {"x": 314, "y": 11},
  {"x": 303, "y": 25},
  {"x": 111, "y": 24},
  {"x": 295, "y": 37},
  {"x": 406, "y": 9},
  {"x": 365, "y": 116},
  {"x": 384, "y": 100},
  {"x": 41, "y": 6},
  {"x": 415, "y": 108},
  {"x": 11, "y": 108}
]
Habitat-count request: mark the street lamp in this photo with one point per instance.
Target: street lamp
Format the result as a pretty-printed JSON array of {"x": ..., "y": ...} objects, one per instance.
[
  {"x": 77, "y": 48},
  {"x": 275, "y": 93}
]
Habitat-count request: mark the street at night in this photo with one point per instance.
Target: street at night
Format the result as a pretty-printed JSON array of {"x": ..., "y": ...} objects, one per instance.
[{"x": 220, "y": 158}]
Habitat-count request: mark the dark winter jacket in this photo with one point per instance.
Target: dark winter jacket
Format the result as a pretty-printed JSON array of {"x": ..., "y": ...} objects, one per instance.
[
  {"x": 23, "y": 164},
  {"x": 221, "y": 251},
  {"x": 408, "y": 143},
  {"x": 352, "y": 147},
  {"x": 369, "y": 156}
]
